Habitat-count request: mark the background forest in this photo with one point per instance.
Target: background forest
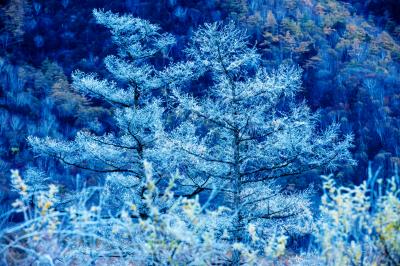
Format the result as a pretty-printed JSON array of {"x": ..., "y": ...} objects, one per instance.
[{"x": 335, "y": 66}]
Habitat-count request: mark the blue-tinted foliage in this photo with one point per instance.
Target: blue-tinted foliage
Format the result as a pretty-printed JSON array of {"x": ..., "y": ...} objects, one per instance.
[{"x": 66, "y": 77}]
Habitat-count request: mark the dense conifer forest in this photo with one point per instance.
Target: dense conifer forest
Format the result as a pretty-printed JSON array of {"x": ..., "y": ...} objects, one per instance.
[{"x": 209, "y": 132}]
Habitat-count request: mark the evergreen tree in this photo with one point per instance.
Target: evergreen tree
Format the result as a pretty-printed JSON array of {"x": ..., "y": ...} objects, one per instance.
[
  {"x": 137, "y": 116},
  {"x": 248, "y": 135}
]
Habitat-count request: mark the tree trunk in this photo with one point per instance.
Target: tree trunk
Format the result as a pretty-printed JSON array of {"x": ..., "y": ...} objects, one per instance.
[{"x": 238, "y": 220}]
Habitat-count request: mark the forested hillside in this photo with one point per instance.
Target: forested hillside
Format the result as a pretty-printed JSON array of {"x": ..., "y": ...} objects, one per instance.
[{"x": 197, "y": 132}]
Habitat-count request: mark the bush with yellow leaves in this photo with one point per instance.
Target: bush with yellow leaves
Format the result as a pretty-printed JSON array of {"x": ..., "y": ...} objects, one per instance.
[
  {"x": 82, "y": 231},
  {"x": 360, "y": 225}
]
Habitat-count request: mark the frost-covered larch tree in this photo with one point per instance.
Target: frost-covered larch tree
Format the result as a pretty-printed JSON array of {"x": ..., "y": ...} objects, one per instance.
[
  {"x": 137, "y": 115},
  {"x": 248, "y": 135}
]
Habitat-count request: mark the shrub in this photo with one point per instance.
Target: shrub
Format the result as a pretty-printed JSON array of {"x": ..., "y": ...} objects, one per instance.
[
  {"x": 360, "y": 225},
  {"x": 66, "y": 229}
]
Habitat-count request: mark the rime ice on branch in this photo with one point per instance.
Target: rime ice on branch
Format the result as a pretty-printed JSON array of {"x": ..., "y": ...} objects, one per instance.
[
  {"x": 138, "y": 116},
  {"x": 248, "y": 133}
]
